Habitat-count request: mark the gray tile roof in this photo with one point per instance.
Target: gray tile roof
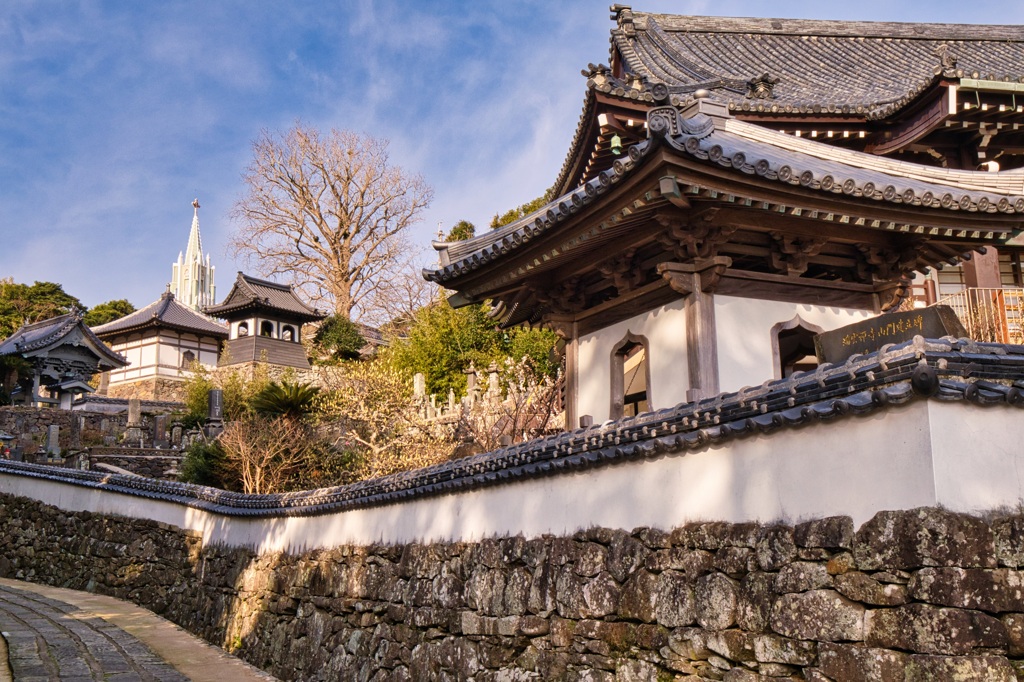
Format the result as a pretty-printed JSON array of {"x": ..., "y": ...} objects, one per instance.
[
  {"x": 39, "y": 336},
  {"x": 869, "y": 69},
  {"x": 165, "y": 312},
  {"x": 947, "y": 370},
  {"x": 251, "y": 293},
  {"x": 749, "y": 152}
]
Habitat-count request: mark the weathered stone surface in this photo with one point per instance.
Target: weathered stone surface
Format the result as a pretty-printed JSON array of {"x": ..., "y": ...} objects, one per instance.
[
  {"x": 493, "y": 610},
  {"x": 636, "y": 671},
  {"x": 755, "y": 600},
  {"x": 857, "y": 663},
  {"x": 625, "y": 555},
  {"x": 922, "y": 668},
  {"x": 733, "y": 561},
  {"x": 675, "y": 601},
  {"x": 775, "y": 548},
  {"x": 821, "y": 615},
  {"x": 995, "y": 591},
  {"x": 734, "y": 645},
  {"x": 923, "y": 537},
  {"x": 1014, "y": 624},
  {"x": 927, "y": 629},
  {"x": 865, "y": 589},
  {"x": 693, "y": 562},
  {"x": 1009, "y": 540},
  {"x": 716, "y": 596},
  {"x": 833, "y": 532},
  {"x": 637, "y": 600},
  {"x": 775, "y": 649},
  {"x": 801, "y": 576},
  {"x": 600, "y": 596}
]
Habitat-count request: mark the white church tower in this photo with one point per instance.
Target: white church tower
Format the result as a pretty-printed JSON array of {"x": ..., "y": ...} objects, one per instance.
[{"x": 191, "y": 276}]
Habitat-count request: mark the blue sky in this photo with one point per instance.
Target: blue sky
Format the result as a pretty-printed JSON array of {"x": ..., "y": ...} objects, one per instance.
[{"x": 114, "y": 115}]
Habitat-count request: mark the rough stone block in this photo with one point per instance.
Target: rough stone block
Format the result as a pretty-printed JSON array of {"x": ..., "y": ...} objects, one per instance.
[
  {"x": 923, "y": 537},
  {"x": 590, "y": 559},
  {"x": 926, "y": 629},
  {"x": 922, "y": 668},
  {"x": 600, "y": 596},
  {"x": 857, "y": 663},
  {"x": 755, "y": 600},
  {"x": 995, "y": 590},
  {"x": 734, "y": 561},
  {"x": 675, "y": 602},
  {"x": 625, "y": 555},
  {"x": 775, "y": 548},
  {"x": 834, "y": 532},
  {"x": 820, "y": 615},
  {"x": 693, "y": 562},
  {"x": 1014, "y": 624},
  {"x": 775, "y": 649},
  {"x": 732, "y": 644},
  {"x": 865, "y": 589},
  {"x": 801, "y": 576},
  {"x": 1009, "y": 540},
  {"x": 638, "y": 598},
  {"x": 716, "y": 596}
]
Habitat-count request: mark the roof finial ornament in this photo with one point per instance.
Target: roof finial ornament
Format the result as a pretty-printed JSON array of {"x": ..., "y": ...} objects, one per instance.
[
  {"x": 947, "y": 60},
  {"x": 195, "y": 205},
  {"x": 762, "y": 87}
]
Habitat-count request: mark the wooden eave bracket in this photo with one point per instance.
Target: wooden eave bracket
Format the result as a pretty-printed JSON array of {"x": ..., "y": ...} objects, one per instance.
[
  {"x": 670, "y": 190},
  {"x": 700, "y": 275}
]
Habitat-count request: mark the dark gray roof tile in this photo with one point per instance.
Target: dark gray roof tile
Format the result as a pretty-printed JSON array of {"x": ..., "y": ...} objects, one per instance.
[{"x": 164, "y": 312}]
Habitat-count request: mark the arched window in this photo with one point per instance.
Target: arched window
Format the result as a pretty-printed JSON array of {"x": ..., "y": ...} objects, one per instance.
[
  {"x": 267, "y": 328},
  {"x": 187, "y": 358},
  {"x": 288, "y": 333},
  {"x": 793, "y": 346},
  {"x": 243, "y": 328},
  {"x": 631, "y": 377}
]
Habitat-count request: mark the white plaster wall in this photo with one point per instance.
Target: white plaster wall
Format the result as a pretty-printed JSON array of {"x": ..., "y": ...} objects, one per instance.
[
  {"x": 744, "y": 327},
  {"x": 665, "y": 329},
  {"x": 927, "y": 453}
]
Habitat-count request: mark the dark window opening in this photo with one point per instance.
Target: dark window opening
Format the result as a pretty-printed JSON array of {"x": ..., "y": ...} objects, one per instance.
[
  {"x": 187, "y": 358},
  {"x": 631, "y": 376},
  {"x": 267, "y": 328},
  {"x": 793, "y": 347}
]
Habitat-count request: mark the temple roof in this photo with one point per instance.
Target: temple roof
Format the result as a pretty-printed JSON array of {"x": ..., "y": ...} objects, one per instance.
[
  {"x": 851, "y": 67},
  {"x": 166, "y": 312},
  {"x": 781, "y": 210},
  {"x": 249, "y": 293},
  {"x": 39, "y": 337}
]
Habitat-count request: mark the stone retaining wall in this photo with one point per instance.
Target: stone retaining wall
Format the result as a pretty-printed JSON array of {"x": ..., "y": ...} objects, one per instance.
[
  {"x": 77, "y": 429},
  {"x": 149, "y": 462},
  {"x": 924, "y": 594}
]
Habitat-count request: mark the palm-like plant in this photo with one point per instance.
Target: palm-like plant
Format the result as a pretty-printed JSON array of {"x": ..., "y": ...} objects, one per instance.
[{"x": 285, "y": 399}]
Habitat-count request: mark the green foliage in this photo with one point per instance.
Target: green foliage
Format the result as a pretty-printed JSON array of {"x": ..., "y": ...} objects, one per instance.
[
  {"x": 205, "y": 464},
  {"x": 337, "y": 339},
  {"x": 462, "y": 230},
  {"x": 285, "y": 399},
  {"x": 518, "y": 212},
  {"x": 108, "y": 312},
  {"x": 443, "y": 341},
  {"x": 240, "y": 385},
  {"x": 23, "y": 304}
]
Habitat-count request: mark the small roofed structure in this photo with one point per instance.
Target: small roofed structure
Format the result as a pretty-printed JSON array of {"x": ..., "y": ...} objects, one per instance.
[
  {"x": 265, "y": 323},
  {"x": 64, "y": 354},
  {"x": 162, "y": 342}
]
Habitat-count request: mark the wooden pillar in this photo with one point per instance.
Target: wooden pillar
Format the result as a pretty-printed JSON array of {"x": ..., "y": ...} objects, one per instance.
[
  {"x": 697, "y": 281},
  {"x": 568, "y": 331},
  {"x": 982, "y": 271}
]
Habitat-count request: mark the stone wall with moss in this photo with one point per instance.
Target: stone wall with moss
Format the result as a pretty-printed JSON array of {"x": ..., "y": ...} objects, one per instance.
[{"x": 913, "y": 595}]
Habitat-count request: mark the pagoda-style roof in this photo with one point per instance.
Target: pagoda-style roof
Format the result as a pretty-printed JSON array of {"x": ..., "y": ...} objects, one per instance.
[
  {"x": 848, "y": 67},
  {"x": 250, "y": 294},
  {"x": 939, "y": 94},
  {"x": 39, "y": 338},
  {"x": 164, "y": 313},
  {"x": 705, "y": 184}
]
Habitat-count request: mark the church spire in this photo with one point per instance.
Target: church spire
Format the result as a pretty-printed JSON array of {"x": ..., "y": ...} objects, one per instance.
[{"x": 192, "y": 276}]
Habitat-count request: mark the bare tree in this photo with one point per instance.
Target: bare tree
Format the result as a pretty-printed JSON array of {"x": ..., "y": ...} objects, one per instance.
[
  {"x": 264, "y": 452},
  {"x": 328, "y": 213}
]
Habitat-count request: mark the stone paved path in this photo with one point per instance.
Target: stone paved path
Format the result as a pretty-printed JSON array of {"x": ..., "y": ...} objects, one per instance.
[{"x": 55, "y": 634}]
